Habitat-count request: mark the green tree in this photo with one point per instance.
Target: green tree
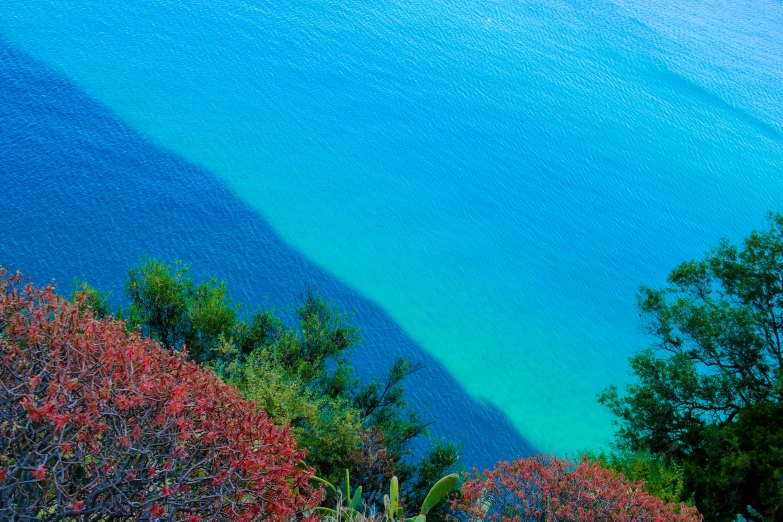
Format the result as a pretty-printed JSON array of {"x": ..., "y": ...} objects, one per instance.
[
  {"x": 263, "y": 329},
  {"x": 442, "y": 459},
  {"x": 168, "y": 306},
  {"x": 89, "y": 297},
  {"x": 211, "y": 316},
  {"x": 317, "y": 351},
  {"x": 382, "y": 404},
  {"x": 158, "y": 301},
  {"x": 741, "y": 465},
  {"x": 717, "y": 359}
]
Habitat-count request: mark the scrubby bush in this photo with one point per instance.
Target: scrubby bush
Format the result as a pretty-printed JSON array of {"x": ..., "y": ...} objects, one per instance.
[
  {"x": 299, "y": 372},
  {"x": 329, "y": 427},
  {"x": 663, "y": 479},
  {"x": 549, "y": 489},
  {"x": 98, "y": 423}
]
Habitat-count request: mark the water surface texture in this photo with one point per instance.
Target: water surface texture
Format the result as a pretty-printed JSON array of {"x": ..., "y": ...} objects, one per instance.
[
  {"x": 88, "y": 196},
  {"x": 496, "y": 177}
]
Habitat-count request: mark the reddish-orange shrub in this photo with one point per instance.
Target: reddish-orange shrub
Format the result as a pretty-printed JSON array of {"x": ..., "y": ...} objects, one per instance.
[
  {"x": 549, "y": 489},
  {"x": 99, "y": 423}
]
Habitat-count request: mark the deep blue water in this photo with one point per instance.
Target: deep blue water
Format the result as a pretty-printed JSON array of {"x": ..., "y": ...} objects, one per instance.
[
  {"x": 102, "y": 196},
  {"x": 486, "y": 182}
]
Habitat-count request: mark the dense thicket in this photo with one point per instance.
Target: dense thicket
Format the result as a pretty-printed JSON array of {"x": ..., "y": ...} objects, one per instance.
[
  {"x": 98, "y": 423},
  {"x": 702, "y": 422},
  {"x": 707, "y": 396},
  {"x": 299, "y": 374}
]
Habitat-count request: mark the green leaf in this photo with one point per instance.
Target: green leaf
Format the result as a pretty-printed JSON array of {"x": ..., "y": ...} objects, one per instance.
[
  {"x": 326, "y": 512},
  {"x": 394, "y": 496},
  {"x": 357, "y": 498},
  {"x": 439, "y": 492}
]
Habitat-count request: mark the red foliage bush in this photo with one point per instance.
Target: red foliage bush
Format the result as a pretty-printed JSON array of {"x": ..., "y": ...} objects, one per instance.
[
  {"x": 548, "y": 489},
  {"x": 96, "y": 422}
]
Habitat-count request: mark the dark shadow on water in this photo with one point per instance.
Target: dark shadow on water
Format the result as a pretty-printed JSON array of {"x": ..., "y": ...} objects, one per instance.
[{"x": 83, "y": 194}]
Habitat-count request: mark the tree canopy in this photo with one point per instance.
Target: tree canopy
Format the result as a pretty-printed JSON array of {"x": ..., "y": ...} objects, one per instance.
[{"x": 715, "y": 364}]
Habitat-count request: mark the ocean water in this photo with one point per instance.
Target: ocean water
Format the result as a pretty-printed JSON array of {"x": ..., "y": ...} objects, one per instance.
[{"x": 486, "y": 182}]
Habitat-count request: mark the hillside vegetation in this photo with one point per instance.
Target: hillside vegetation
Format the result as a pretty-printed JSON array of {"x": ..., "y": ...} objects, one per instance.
[
  {"x": 99, "y": 423},
  {"x": 185, "y": 405}
]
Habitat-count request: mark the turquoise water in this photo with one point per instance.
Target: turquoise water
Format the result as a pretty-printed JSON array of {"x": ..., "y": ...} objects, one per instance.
[{"x": 498, "y": 177}]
